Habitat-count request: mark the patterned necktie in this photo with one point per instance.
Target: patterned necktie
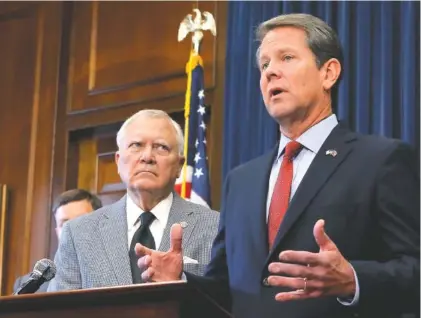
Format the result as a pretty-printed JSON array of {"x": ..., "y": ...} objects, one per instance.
[
  {"x": 143, "y": 236},
  {"x": 282, "y": 191}
]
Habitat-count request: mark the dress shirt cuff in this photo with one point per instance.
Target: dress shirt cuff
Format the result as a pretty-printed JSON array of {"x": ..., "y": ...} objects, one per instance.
[{"x": 354, "y": 301}]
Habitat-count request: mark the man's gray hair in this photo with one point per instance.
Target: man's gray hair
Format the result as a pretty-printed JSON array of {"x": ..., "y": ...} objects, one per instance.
[
  {"x": 152, "y": 113},
  {"x": 321, "y": 38}
]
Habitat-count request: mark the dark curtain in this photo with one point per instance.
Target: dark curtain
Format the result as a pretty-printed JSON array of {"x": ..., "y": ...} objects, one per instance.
[
  {"x": 380, "y": 89},
  {"x": 248, "y": 129}
]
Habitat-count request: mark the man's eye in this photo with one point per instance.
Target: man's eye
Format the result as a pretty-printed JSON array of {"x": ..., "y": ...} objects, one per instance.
[
  {"x": 162, "y": 147},
  {"x": 288, "y": 58},
  {"x": 135, "y": 146},
  {"x": 264, "y": 66}
]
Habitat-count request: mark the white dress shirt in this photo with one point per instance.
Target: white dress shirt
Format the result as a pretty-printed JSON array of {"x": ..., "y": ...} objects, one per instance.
[
  {"x": 161, "y": 212},
  {"x": 311, "y": 140}
]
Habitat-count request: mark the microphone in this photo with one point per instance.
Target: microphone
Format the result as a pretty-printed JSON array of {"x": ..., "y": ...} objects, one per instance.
[{"x": 44, "y": 270}]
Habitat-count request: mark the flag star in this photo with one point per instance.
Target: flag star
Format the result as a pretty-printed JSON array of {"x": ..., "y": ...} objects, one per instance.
[
  {"x": 197, "y": 143},
  {"x": 204, "y": 141},
  {"x": 198, "y": 173},
  {"x": 201, "y": 93},
  {"x": 197, "y": 157},
  {"x": 201, "y": 110},
  {"x": 202, "y": 125}
]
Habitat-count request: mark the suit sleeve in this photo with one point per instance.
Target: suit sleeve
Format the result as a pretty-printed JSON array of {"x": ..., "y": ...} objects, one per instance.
[
  {"x": 215, "y": 281},
  {"x": 394, "y": 280},
  {"x": 205, "y": 231},
  {"x": 68, "y": 271},
  {"x": 217, "y": 268}
]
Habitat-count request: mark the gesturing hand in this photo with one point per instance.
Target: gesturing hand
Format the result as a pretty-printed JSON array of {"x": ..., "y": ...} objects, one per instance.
[
  {"x": 157, "y": 266},
  {"x": 326, "y": 273}
]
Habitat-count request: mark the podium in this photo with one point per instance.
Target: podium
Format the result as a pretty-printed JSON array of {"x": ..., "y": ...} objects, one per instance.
[{"x": 151, "y": 300}]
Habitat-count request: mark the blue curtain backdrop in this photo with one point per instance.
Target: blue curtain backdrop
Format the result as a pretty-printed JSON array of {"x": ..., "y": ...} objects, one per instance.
[{"x": 380, "y": 90}]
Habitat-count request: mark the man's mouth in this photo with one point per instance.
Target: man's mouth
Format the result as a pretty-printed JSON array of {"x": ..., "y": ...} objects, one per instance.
[
  {"x": 275, "y": 92},
  {"x": 145, "y": 171}
]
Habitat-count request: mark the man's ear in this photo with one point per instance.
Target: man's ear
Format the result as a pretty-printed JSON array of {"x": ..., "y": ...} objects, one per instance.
[
  {"x": 332, "y": 71},
  {"x": 181, "y": 164},
  {"x": 116, "y": 156},
  {"x": 116, "y": 159}
]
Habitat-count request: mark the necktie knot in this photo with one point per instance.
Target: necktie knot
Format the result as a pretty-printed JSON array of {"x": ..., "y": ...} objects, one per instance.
[
  {"x": 146, "y": 218},
  {"x": 292, "y": 149}
]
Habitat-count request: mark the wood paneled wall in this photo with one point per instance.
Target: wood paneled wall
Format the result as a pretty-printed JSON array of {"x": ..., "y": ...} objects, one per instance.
[
  {"x": 71, "y": 73},
  {"x": 29, "y": 37}
]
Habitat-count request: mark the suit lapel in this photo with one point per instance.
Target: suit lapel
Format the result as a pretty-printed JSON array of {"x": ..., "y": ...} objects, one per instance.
[
  {"x": 113, "y": 229},
  {"x": 320, "y": 170},
  {"x": 180, "y": 211},
  {"x": 255, "y": 200}
]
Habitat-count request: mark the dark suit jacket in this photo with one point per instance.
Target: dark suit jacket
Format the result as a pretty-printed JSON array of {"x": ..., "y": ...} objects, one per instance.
[
  {"x": 20, "y": 280},
  {"x": 369, "y": 197}
]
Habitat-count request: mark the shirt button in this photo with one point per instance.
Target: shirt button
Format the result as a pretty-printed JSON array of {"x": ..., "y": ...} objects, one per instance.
[{"x": 265, "y": 282}]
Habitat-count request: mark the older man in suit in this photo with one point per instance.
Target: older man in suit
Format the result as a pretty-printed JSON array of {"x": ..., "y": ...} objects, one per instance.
[
  {"x": 68, "y": 206},
  {"x": 97, "y": 250},
  {"x": 327, "y": 224}
]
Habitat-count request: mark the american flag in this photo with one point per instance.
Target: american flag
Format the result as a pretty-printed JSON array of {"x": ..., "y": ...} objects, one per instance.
[{"x": 197, "y": 177}]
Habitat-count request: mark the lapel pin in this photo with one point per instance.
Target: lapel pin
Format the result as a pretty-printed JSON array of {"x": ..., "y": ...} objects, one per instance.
[
  {"x": 331, "y": 152},
  {"x": 183, "y": 224}
]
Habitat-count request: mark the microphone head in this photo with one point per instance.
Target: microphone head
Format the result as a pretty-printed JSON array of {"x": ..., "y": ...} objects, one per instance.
[{"x": 44, "y": 268}]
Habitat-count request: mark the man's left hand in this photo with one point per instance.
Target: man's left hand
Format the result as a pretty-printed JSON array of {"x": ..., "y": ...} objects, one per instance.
[{"x": 311, "y": 275}]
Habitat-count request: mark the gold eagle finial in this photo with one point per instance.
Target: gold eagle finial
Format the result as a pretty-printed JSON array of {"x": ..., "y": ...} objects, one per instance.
[{"x": 196, "y": 26}]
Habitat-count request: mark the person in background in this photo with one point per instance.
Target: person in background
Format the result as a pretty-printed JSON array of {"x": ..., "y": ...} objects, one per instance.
[{"x": 68, "y": 205}]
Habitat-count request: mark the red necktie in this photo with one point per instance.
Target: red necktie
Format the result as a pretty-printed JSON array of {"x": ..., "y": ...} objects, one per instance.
[{"x": 282, "y": 191}]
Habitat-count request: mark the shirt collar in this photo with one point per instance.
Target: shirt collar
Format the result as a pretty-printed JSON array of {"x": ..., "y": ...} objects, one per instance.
[
  {"x": 161, "y": 211},
  {"x": 314, "y": 137}
]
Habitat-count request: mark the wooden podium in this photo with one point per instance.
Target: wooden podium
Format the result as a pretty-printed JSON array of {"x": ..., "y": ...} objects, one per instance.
[{"x": 166, "y": 300}]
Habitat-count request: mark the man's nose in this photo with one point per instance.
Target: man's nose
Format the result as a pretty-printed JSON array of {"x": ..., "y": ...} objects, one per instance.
[
  {"x": 147, "y": 155},
  {"x": 272, "y": 71}
]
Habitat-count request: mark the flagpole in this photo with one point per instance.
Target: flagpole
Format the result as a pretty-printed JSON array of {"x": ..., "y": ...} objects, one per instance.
[
  {"x": 195, "y": 26},
  {"x": 189, "y": 71}
]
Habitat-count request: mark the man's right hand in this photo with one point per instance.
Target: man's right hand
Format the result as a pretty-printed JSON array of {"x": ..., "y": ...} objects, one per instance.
[{"x": 157, "y": 266}]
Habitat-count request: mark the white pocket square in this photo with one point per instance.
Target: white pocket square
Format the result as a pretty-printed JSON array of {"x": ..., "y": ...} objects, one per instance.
[{"x": 188, "y": 260}]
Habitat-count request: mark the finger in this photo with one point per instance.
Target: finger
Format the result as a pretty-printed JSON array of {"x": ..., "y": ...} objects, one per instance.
[
  {"x": 322, "y": 239},
  {"x": 290, "y": 282},
  {"x": 141, "y": 250},
  {"x": 141, "y": 263},
  {"x": 148, "y": 274},
  {"x": 144, "y": 262},
  {"x": 296, "y": 283},
  {"x": 292, "y": 270},
  {"x": 176, "y": 237},
  {"x": 301, "y": 257},
  {"x": 297, "y": 294}
]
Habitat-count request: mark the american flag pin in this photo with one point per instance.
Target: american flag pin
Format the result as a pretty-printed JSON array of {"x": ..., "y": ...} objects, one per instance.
[
  {"x": 331, "y": 152},
  {"x": 183, "y": 224}
]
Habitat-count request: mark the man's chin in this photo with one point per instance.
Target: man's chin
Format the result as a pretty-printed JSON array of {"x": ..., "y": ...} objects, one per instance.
[
  {"x": 282, "y": 117},
  {"x": 282, "y": 112},
  {"x": 144, "y": 184}
]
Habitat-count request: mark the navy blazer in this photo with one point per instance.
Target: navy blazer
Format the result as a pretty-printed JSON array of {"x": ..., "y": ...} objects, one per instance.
[{"x": 368, "y": 195}]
